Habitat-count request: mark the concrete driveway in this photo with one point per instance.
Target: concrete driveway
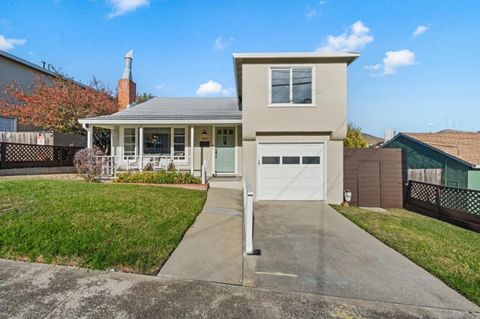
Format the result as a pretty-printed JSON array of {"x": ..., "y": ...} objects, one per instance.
[{"x": 309, "y": 247}]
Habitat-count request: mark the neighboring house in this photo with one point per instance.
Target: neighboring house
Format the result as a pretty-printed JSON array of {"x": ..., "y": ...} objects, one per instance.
[
  {"x": 450, "y": 158},
  {"x": 283, "y": 131},
  {"x": 24, "y": 73},
  {"x": 372, "y": 140}
]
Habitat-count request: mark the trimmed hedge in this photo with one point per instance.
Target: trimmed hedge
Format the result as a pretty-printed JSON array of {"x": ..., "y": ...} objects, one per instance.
[{"x": 161, "y": 177}]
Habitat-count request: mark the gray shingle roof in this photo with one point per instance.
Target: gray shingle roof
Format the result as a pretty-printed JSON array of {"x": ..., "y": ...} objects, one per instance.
[{"x": 183, "y": 108}]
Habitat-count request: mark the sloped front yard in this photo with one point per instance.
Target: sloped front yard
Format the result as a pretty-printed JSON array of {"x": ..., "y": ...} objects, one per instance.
[
  {"x": 101, "y": 226},
  {"x": 446, "y": 251}
]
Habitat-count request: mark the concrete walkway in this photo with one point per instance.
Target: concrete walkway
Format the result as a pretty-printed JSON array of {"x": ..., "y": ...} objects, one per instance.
[
  {"x": 44, "y": 291},
  {"x": 211, "y": 250},
  {"x": 309, "y": 247}
]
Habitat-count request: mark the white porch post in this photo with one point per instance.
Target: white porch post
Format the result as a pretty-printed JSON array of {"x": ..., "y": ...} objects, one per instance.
[
  {"x": 192, "y": 132},
  {"x": 90, "y": 136},
  {"x": 140, "y": 146}
]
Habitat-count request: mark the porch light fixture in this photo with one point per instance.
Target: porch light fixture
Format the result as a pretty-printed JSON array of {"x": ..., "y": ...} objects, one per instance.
[{"x": 204, "y": 133}]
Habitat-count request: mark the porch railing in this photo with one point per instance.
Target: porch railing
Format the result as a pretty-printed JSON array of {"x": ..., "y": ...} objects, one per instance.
[{"x": 110, "y": 165}]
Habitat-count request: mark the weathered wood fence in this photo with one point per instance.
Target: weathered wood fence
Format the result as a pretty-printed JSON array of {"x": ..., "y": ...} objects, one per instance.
[
  {"x": 39, "y": 138},
  {"x": 457, "y": 206},
  {"x": 16, "y": 155}
]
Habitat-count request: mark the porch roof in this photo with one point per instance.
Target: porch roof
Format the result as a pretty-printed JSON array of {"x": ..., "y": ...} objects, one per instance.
[{"x": 175, "y": 110}]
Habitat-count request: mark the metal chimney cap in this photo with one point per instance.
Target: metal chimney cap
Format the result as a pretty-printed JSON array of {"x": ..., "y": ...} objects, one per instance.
[{"x": 129, "y": 55}]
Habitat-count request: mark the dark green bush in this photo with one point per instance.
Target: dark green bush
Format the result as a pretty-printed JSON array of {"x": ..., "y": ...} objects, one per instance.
[{"x": 161, "y": 177}]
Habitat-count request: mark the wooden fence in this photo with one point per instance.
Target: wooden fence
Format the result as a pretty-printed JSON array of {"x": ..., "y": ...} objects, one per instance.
[
  {"x": 16, "y": 155},
  {"x": 375, "y": 176},
  {"x": 39, "y": 138},
  {"x": 457, "y": 206}
]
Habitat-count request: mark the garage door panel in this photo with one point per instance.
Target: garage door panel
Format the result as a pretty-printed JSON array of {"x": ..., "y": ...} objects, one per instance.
[{"x": 299, "y": 179}]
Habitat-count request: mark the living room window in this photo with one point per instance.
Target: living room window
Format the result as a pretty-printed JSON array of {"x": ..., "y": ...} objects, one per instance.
[
  {"x": 291, "y": 85},
  {"x": 156, "y": 141}
]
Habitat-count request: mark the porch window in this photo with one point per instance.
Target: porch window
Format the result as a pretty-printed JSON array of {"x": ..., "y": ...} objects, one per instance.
[
  {"x": 179, "y": 143},
  {"x": 291, "y": 85},
  {"x": 129, "y": 142},
  {"x": 156, "y": 141}
]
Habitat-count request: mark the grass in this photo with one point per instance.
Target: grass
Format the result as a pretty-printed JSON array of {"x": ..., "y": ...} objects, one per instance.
[
  {"x": 446, "y": 251},
  {"x": 101, "y": 226}
]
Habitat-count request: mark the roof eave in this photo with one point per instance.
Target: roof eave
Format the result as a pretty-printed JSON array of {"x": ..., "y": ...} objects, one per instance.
[{"x": 94, "y": 121}]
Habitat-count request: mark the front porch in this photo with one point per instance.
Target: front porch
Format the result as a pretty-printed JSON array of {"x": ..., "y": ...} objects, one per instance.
[{"x": 213, "y": 149}]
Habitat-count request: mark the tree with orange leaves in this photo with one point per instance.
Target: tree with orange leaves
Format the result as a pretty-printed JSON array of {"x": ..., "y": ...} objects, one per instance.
[{"x": 57, "y": 105}]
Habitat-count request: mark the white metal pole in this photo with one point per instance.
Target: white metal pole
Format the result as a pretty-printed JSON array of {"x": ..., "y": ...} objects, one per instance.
[
  {"x": 192, "y": 132},
  {"x": 140, "y": 146}
]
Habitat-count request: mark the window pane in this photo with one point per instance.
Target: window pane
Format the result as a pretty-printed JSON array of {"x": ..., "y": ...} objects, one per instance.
[
  {"x": 179, "y": 131},
  {"x": 270, "y": 160},
  {"x": 129, "y": 131},
  {"x": 129, "y": 150},
  {"x": 280, "y": 86},
  {"x": 311, "y": 160},
  {"x": 156, "y": 141},
  {"x": 291, "y": 160},
  {"x": 302, "y": 86},
  {"x": 179, "y": 139}
]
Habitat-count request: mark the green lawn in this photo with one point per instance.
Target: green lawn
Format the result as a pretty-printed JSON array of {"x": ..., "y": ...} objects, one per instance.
[
  {"x": 448, "y": 252},
  {"x": 101, "y": 226}
]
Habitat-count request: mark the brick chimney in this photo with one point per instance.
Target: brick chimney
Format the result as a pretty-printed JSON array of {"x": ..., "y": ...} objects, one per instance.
[{"x": 127, "y": 89}]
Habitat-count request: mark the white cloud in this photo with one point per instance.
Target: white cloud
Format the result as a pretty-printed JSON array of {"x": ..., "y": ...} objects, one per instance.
[
  {"x": 228, "y": 91},
  {"x": 221, "y": 43},
  {"x": 214, "y": 88},
  {"x": 311, "y": 13},
  {"x": 163, "y": 87},
  {"x": 374, "y": 67},
  {"x": 395, "y": 59},
  {"x": 419, "y": 30},
  {"x": 8, "y": 44},
  {"x": 121, "y": 7},
  {"x": 392, "y": 61},
  {"x": 355, "y": 38}
]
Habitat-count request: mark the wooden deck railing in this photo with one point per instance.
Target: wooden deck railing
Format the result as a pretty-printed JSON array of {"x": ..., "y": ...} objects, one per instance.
[
  {"x": 16, "y": 155},
  {"x": 455, "y": 205}
]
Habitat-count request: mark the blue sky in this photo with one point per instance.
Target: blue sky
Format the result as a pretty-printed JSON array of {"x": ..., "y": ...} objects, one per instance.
[{"x": 423, "y": 81}]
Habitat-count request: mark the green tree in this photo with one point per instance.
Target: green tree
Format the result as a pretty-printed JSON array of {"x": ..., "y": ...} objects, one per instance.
[
  {"x": 144, "y": 97},
  {"x": 354, "y": 137}
]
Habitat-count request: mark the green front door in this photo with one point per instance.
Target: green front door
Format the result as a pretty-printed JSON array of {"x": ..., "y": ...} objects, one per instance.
[{"x": 225, "y": 150}]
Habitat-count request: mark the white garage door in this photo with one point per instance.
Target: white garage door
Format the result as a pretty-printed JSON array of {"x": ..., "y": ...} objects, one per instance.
[{"x": 291, "y": 171}]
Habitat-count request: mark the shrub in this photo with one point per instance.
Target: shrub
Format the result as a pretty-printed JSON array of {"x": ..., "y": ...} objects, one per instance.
[
  {"x": 86, "y": 163},
  {"x": 161, "y": 177}
]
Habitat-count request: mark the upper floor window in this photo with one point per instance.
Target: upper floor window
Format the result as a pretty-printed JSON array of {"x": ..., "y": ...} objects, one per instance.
[{"x": 291, "y": 85}]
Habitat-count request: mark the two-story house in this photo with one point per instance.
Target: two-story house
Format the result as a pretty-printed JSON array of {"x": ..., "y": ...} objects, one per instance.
[{"x": 283, "y": 131}]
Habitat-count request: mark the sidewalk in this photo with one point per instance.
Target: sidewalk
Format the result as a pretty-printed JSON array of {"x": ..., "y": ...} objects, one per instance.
[
  {"x": 29, "y": 290},
  {"x": 211, "y": 250}
]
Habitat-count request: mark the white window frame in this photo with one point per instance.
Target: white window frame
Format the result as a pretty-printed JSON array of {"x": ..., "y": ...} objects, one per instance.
[
  {"x": 122, "y": 140},
  {"x": 291, "y": 67},
  {"x": 172, "y": 132}
]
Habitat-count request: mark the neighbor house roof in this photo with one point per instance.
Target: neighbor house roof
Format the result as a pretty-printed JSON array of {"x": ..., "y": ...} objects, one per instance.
[
  {"x": 373, "y": 140},
  {"x": 179, "y": 110},
  {"x": 38, "y": 68},
  {"x": 463, "y": 146},
  {"x": 286, "y": 57}
]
